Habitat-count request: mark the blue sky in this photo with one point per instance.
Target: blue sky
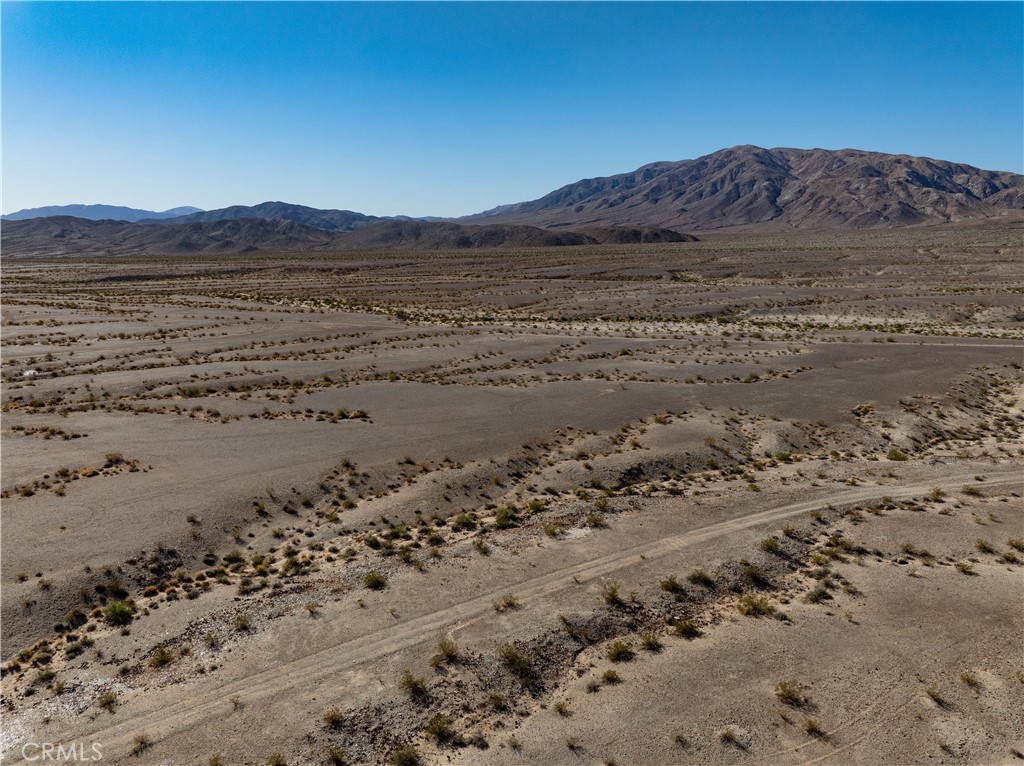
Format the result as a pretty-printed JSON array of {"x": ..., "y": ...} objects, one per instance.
[{"x": 448, "y": 109}]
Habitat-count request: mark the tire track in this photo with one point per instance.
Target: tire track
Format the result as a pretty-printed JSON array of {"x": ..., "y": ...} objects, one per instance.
[{"x": 303, "y": 673}]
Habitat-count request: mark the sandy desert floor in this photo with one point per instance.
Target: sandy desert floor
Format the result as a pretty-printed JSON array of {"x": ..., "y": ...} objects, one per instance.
[{"x": 743, "y": 500}]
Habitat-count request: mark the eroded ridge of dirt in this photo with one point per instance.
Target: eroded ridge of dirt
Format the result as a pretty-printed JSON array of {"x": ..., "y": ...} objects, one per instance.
[{"x": 732, "y": 500}]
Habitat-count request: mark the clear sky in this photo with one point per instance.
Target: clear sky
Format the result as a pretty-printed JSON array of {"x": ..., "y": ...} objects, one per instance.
[{"x": 448, "y": 109}]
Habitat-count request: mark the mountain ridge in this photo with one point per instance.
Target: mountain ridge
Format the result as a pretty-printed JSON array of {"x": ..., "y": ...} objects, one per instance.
[
  {"x": 65, "y": 235},
  {"x": 98, "y": 212},
  {"x": 747, "y": 187}
]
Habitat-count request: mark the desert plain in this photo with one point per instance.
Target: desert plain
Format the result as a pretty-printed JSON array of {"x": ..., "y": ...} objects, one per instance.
[{"x": 750, "y": 499}]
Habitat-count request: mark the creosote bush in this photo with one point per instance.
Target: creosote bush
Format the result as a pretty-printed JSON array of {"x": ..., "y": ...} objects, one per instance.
[
  {"x": 686, "y": 627},
  {"x": 417, "y": 687},
  {"x": 518, "y": 664},
  {"x": 752, "y": 605},
  {"x": 447, "y": 653},
  {"x": 620, "y": 651},
  {"x": 440, "y": 728},
  {"x": 701, "y": 578},
  {"x": 119, "y": 612}
]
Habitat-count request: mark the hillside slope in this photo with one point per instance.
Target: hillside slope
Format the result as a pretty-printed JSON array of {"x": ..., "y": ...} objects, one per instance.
[{"x": 748, "y": 187}]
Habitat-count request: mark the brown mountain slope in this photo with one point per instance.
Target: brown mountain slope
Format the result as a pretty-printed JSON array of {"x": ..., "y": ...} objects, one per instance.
[
  {"x": 64, "y": 235},
  {"x": 329, "y": 220},
  {"x": 748, "y": 187}
]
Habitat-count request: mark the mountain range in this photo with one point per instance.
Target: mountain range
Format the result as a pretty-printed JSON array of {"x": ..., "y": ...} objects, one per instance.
[
  {"x": 745, "y": 188},
  {"x": 99, "y": 212}
]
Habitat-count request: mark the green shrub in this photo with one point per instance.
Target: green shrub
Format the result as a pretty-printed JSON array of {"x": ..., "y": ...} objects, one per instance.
[
  {"x": 505, "y": 517},
  {"x": 610, "y": 594},
  {"x": 672, "y": 585},
  {"x": 119, "y": 612},
  {"x": 651, "y": 641},
  {"x": 620, "y": 651},
  {"x": 753, "y": 605},
  {"x": 447, "y": 653},
  {"x": 161, "y": 656},
  {"x": 518, "y": 664},
  {"x": 686, "y": 627},
  {"x": 701, "y": 578},
  {"x": 440, "y": 729},
  {"x": 417, "y": 687}
]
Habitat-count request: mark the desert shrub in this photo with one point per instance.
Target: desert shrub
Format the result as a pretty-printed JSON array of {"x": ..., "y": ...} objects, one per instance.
[
  {"x": 672, "y": 585},
  {"x": 333, "y": 718},
  {"x": 610, "y": 594},
  {"x": 465, "y": 521},
  {"x": 754, "y": 577},
  {"x": 518, "y": 664},
  {"x": 447, "y": 652},
  {"x": 505, "y": 517},
  {"x": 140, "y": 743},
  {"x": 753, "y": 605},
  {"x": 440, "y": 729},
  {"x": 701, "y": 578},
  {"x": 554, "y": 529},
  {"x": 817, "y": 594},
  {"x": 375, "y": 581},
  {"x": 984, "y": 546},
  {"x": 620, "y": 651},
  {"x": 161, "y": 656},
  {"x": 686, "y": 627},
  {"x": 107, "y": 700},
  {"x": 506, "y": 603},
  {"x": 895, "y": 454},
  {"x": 791, "y": 693},
  {"x": 417, "y": 687},
  {"x": 119, "y": 612},
  {"x": 969, "y": 679},
  {"x": 813, "y": 728},
  {"x": 651, "y": 641}
]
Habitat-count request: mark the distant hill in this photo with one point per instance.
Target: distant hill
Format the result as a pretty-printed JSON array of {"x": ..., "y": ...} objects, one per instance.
[
  {"x": 328, "y": 220},
  {"x": 99, "y": 212},
  {"x": 748, "y": 187},
  {"x": 63, "y": 235},
  {"x": 420, "y": 235}
]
